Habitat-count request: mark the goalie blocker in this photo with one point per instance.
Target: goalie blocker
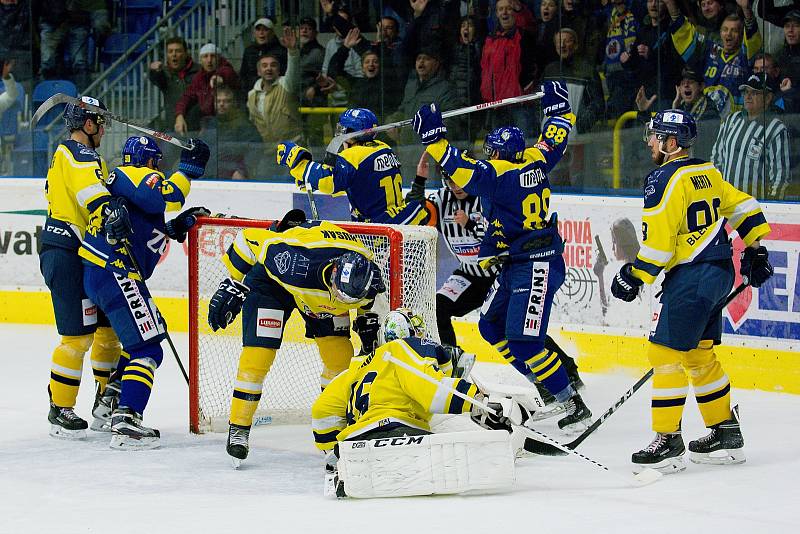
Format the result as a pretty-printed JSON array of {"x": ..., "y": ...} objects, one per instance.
[{"x": 433, "y": 464}]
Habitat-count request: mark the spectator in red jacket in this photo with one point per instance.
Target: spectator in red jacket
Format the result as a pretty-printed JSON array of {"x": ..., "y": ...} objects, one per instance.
[{"x": 215, "y": 71}]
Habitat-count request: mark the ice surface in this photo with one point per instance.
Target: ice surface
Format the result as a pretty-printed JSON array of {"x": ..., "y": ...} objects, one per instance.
[{"x": 188, "y": 485}]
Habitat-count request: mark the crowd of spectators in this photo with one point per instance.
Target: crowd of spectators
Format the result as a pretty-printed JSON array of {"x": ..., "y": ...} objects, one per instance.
[{"x": 616, "y": 56}]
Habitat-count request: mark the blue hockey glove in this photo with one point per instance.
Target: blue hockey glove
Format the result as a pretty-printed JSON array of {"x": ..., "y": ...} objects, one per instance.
[
  {"x": 625, "y": 286},
  {"x": 178, "y": 227},
  {"x": 193, "y": 162},
  {"x": 556, "y": 99},
  {"x": 755, "y": 267},
  {"x": 226, "y": 303},
  {"x": 116, "y": 221},
  {"x": 428, "y": 124},
  {"x": 367, "y": 327},
  {"x": 291, "y": 154}
]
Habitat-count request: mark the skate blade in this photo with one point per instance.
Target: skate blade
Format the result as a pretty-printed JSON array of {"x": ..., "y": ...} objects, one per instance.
[
  {"x": 60, "y": 432},
  {"x": 330, "y": 486},
  {"x": 540, "y": 415},
  {"x": 720, "y": 457},
  {"x": 664, "y": 467},
  {"x": 101, "y": 425},
  {"x": 126, "y": 443},
  {"x": 236, "y": 462},
  {"x": 577, "y": 427}
]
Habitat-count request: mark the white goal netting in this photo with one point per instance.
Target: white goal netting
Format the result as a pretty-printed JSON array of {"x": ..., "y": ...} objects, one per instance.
[{"x": 407, "y": 257}]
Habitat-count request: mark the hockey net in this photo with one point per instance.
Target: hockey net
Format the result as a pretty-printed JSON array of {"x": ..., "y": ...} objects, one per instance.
[{"x": 407, "y": 258}]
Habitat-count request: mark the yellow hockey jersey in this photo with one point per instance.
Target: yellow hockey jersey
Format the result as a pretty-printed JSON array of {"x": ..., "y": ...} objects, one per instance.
[
  {"x": 75, "y": 193},
  {"x": 377, "y": 393},
  {"x": 686, "y": 205},
  {"x": 299, "y": 260}
]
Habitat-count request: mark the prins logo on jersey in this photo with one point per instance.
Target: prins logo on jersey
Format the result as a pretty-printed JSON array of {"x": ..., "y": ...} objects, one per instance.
[
  {"x": 536, "y": 296},
  {"x": 385, "y": 162}
]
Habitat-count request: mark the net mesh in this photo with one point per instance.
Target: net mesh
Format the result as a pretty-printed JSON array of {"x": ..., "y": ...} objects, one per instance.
[{"x": 407, "y": 258}]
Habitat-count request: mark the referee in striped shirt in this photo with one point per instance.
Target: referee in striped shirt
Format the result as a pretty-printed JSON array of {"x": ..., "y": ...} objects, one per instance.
[
  {"x": 457, "y": 215},
  {"x": 752, "y": 147}
]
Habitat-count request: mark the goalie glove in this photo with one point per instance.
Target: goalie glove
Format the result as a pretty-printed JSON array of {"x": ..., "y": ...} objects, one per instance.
[
  {"x": 502, "y": 414},
  {"x": 178, "y": 227},
  {"x": 226, "y": 303},
  {"x": 367, "y": 327}
]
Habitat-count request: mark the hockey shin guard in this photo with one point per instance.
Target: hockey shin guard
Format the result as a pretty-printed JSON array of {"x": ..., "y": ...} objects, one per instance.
[
  {"x": 546, "y": 367},
  {"x": 254, "y": 363},
  {"x": 712, "y": 388},
  {"x": 106, "y": 349},
  {"x": 670, "y": 387},
  {"x": 65, "y": 369},
  {"x": 138, "y": 377},
  {"x": 336, "y": 353}
]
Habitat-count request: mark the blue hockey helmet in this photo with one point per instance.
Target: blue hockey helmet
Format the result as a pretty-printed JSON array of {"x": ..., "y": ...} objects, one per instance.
[
  {"x": 672, "y": 123},
  {"x": 355, "y": 119},
  {"x": 509, "y": 141},
  {"x": 351, "y": 277},
  {"x": 75, "y": 115},
  {"x": 140, "y": 149}
]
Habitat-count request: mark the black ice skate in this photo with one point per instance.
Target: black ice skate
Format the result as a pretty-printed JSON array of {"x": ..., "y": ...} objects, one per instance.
[
  {"x": 104, "y": 405},
  {"x": 550, "y": 407},
  {"x": 65, "y": 423},
  {"x": 664, "y": 454},
  {"x": 578, "y": 415},
  {"x": 724, "y": 445},
  {"x": 238, "y": 444},
  {"x": 128, "y": 432}
]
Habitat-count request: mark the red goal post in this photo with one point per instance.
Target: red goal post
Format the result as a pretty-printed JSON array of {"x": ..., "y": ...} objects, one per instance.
[{"x": 407, "y": 258}]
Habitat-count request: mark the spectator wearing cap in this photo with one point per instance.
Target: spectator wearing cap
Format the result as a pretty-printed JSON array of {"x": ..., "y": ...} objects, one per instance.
[
  {"x": 215, "y": 70},
  {"x": 585, "y": 89},
  {"x": 752, "y": 147},
  {"x": 504, "y": 73},
  {"x": 652, "y": 60},
  {"x": 264, "y": 42},
  {"x": 789, "y": 58},
  {"x": 726, "y": 66},
  {"x": 172, "y": 76}
]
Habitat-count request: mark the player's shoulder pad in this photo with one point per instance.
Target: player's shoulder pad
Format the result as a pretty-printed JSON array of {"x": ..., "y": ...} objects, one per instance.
[
  {"x": 423, "y": 347},
  {"x": 356, "y": 154},
  {"x": 657, "y": 182},
  {"x": 80, "y": 152}
]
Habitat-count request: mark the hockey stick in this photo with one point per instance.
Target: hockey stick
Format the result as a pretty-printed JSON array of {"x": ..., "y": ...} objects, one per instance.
[
  {"x": 138, "y": 271},
  {"x": 337, "y": 142},
  {"x": 61, "y": 98},
  {"x": 644, "y": 477},
  {"x": 312, "y": 203},
  {"x": 537, "y": 447}
]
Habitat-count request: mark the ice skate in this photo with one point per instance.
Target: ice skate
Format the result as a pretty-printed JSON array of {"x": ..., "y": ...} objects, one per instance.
[
  {"x": 238, "y": 444},
  {"x": 551, "y": 406},
  {"x": 724, "y": 445},
  {"x": 128, "y": 433},
  {"x": 664, "y": 454},
  {"x": 65, "y": 423},
  {"x": 104, "y": 405},
  {"x": 578, "y": 415}
]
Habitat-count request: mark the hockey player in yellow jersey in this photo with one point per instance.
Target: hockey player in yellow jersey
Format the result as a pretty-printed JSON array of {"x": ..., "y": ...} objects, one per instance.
[
  {"x": 317, "y": 268},
  {"x": 687, "y": 203},
  {"x": 380, "y": 396},
  {"x": 75, "y": 194}
]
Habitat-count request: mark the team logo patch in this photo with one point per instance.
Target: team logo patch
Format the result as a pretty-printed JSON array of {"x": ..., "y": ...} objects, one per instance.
[
  {"x": 453, "y": 287},
  {"x": 89, "y": 312},
  {"x": 282, "y": 261},
  {"x": 534, "y": 313},
  {"x": 269, "y": 323},
  {"x": 346, "y": 271},
  {"x": 531, "y": 178},
  {"x": 152, "y": 180},
  {"x": 544, "y": 147}
]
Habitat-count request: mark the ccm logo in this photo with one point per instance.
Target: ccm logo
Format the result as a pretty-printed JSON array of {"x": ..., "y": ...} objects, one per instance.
[{"x": 265, "y": 322}]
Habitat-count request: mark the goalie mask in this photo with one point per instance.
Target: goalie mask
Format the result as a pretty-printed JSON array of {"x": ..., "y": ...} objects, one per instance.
[{"x": 402, "y": 323}]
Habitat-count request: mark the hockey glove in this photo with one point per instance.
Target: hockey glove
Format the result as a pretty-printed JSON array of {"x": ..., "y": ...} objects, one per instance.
[
  {"x": 461, "y": 361},
  {"x": 291, "y": 154},
  {"x": 504, "y": 412},
  {"x": 625, "y": 286},
  {"x": 226, "y": 303},
  {"x": 428, "y": 124},
  {"x": 367, "y": 327},
  {"x": 116, "y": 221},
  {"x": 193, "y": 162},
  {"x": 556, "y": 99},
  {"x": 178, "y": 227},
  {"x": 755, "y": 267}
]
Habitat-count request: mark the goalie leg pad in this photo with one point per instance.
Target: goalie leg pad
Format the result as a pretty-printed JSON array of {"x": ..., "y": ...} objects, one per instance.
[{"x": 435, "y": 464}]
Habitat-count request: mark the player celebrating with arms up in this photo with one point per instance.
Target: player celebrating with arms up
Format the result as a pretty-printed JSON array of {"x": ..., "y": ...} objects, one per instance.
[
  {"x": 686, "y": 205},
  {"x": 522, "y": 237},
  {"x": 367, "y": 170},
  {"x": 319, "y": 269}
]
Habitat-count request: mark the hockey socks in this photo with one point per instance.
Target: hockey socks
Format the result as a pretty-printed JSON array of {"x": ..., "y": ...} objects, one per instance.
[
  {"x": 254, "y": 363},
  {"x": 65, "y": 369},
  {"x": 336, "y": 352},
  {"x": 106, "y": 350},
  {"x": 138, "y": 378}
]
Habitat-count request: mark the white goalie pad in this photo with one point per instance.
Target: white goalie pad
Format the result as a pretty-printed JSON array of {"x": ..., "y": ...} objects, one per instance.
[{"x": 453, "y": 462}]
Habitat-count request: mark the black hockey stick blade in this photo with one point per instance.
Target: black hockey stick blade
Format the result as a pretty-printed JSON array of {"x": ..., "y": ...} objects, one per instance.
[{"x": 47, "y": 105}]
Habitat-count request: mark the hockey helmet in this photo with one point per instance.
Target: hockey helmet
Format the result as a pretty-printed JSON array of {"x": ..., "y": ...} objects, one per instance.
[
  {"x": 509, "y": 141},
  {"x": 402, "y": 323},
  {"x": 351, "y": 277},
  {"x": 355, "y": 119},
  {"x": 140, "y": 149},
  {"x": 672, "y": 123},
  {"x": 75, "y": 115}
]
